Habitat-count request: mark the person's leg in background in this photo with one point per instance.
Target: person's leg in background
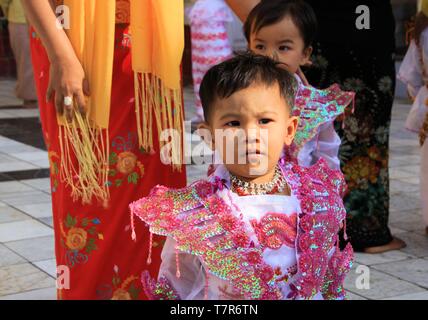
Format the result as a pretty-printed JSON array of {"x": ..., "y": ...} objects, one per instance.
[
  {"x": 20, "y": 44},
  {"x": 424, "y": 174}
]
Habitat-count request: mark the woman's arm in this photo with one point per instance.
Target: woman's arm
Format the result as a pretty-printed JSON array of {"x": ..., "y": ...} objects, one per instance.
[
  {"x": 67, "y": 77},
  {"x": 4, "y": 5},
  {"x": 242, "y": 7}
]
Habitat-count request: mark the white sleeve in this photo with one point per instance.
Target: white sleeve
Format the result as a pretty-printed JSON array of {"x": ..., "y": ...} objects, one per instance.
[
  {"x": 191, "y": 283},
  {"x": 328, "y": 146},
  {"x": 324, "y": 145},
  {"x": 410, "y": 70}
]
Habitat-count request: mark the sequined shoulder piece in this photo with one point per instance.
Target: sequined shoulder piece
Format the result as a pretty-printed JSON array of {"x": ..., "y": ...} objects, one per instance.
[
  {"x": 204, "y": 225},
  {"x": 161, "y": 209},
  {"x": 315, "y": 107}
]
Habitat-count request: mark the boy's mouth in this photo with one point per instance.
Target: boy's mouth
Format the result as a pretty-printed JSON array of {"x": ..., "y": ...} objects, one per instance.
[
  {"x": 254, "y": 156},
  {"x": 253, "y": 152}
]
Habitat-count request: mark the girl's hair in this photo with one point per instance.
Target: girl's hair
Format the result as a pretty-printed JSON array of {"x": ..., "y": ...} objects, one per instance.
[
  {"x": 269, "y": 12},
  {"x": 421, "y": 23}
]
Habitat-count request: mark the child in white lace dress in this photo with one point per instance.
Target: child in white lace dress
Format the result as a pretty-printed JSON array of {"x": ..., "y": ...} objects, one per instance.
[{"x": 414, "y": 73}]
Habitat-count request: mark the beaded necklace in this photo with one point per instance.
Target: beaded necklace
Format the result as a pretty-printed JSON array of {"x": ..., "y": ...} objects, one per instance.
[{"x": 244, "y": 188}]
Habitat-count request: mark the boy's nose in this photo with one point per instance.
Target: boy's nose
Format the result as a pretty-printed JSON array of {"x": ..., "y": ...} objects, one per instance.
[
  {"x": 274, "y": 55},
  {"x": 252, "y": 135}
]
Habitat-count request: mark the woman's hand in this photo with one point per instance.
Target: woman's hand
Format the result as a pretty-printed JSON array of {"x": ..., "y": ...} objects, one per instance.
[
  {"x": 67, "y": 79},
  {"x": 66, "y": 75}
]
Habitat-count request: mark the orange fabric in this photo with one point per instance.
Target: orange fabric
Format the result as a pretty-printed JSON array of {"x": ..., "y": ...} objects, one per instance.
[
  {"x": 122, "y": 10},
  {"x": 157, "y": 29},
  {"x": 91, "y": 33}
]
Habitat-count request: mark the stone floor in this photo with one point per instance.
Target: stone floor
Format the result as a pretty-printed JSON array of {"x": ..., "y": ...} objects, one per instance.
[{"x": 27, "y": 261}]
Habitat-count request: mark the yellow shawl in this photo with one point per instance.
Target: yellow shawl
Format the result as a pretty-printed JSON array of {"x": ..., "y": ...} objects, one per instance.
[
  {"x": 423, "y": 6},
  {"x": 157, "y": 32}
]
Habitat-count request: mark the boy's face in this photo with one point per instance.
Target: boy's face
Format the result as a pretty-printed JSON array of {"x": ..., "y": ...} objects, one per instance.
[
  {"x": 250, "y": 128},
  {"x": 282, "y": 42}
]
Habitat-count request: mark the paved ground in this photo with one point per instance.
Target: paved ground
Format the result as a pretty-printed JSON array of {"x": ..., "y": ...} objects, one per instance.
[{"x": 27, "y": 264}]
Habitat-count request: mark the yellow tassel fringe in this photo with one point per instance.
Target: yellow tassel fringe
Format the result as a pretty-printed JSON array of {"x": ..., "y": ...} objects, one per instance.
[
  {"x": 84, "y": 159},
  {"x": 85, "y": 148},
  {"x": 166, "y": 105}
]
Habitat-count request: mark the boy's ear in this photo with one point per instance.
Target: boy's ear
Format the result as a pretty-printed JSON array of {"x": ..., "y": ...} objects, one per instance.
[
  {"x": 291, "y": 130},
  {"x": 204, "y": 131},
  {"x": 306, "y": 59}
]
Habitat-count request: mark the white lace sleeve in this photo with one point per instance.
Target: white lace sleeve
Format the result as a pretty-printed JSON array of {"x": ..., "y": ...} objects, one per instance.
[
  {"x": 324, "y": 145},
  {"x": 410, "y": 70},
  {"x": 191, "y": 283}
]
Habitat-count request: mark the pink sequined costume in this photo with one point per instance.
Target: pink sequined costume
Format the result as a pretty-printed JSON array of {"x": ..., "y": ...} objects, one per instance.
[
  {"x": 222, "y": 246},
  {"x": 210, "y": 42}
]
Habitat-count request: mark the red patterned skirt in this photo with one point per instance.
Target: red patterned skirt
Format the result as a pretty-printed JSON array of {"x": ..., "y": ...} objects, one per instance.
[{"x": 94, "y": 243}]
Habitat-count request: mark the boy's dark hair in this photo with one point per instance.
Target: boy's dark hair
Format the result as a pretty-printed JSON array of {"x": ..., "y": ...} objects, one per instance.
[
  {"x": 269, "y": 12},
  {"x": 240, "y": 72}
]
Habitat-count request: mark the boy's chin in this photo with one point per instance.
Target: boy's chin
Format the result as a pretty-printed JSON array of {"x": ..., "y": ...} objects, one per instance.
[{"x": 251, "y": 171}]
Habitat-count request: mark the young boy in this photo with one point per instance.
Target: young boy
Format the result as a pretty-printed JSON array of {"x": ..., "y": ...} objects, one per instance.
[{"x": 259, "y": 227}]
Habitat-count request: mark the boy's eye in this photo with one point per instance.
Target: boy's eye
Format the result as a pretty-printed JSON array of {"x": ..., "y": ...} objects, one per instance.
[
  {"x": 283, "y": 48},
  {"x": 233, "y": 124},
  {"x": 265, "y": 121},
  {"x": 260, "y": 47}
]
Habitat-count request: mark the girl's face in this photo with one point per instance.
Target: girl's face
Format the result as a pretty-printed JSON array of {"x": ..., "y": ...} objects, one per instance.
[{"x": 283, "y": 42}]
